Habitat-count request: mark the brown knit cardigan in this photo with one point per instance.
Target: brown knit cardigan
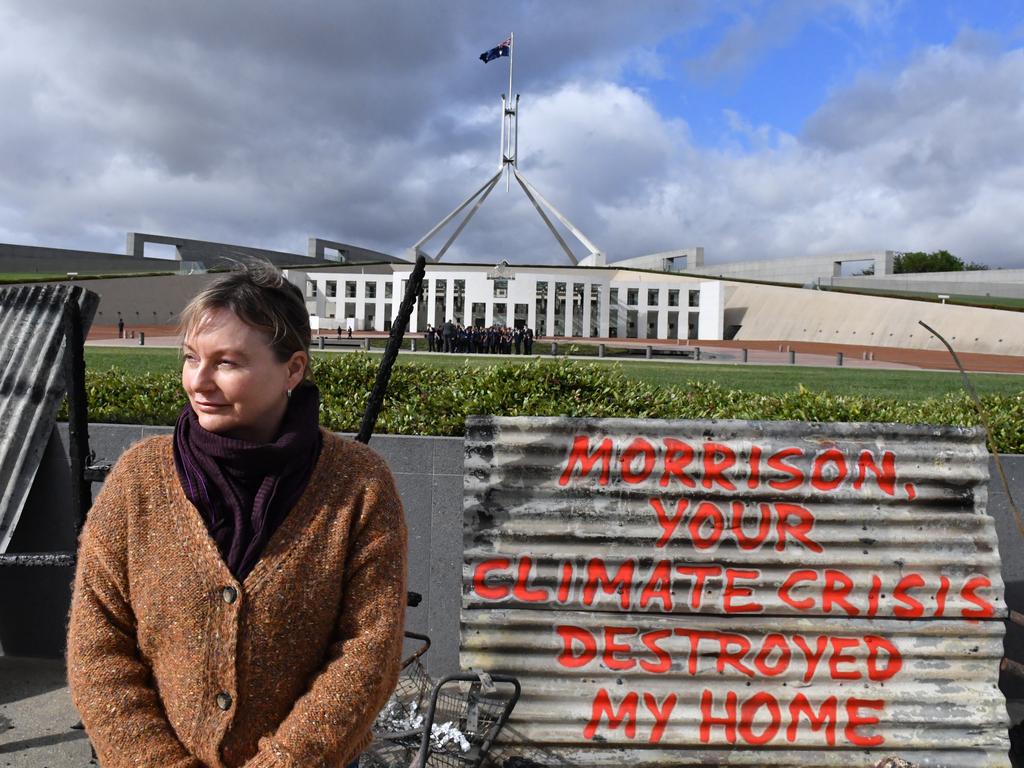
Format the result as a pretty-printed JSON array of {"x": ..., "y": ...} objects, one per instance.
[{"x": 173, "y": 663}]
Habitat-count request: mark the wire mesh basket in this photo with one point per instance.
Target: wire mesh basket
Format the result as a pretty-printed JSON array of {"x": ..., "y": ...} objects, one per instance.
[{"x": 448, "y": 724}]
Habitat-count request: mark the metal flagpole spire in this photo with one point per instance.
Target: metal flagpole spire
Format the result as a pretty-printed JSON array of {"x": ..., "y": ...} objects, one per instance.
[
  {"x": 509, "y": 165},
  {"x": 511, "y": 118}
]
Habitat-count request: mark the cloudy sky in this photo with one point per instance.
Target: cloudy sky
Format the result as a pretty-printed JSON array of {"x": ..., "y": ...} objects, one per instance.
[{"x": 754, "y": 129}]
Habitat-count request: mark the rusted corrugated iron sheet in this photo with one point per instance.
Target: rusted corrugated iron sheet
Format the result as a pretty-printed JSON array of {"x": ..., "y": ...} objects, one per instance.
[
  {"x": 32, "y": 383},
  {"x": 735, "y": 593}
]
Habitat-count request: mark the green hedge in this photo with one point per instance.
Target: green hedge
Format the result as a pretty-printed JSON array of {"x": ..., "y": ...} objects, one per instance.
[{"x": 425, "y": 400}]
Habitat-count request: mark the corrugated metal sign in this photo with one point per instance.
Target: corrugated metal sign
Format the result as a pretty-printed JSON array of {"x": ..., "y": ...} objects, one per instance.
[
  {"x": 32, "y": 383},
  {"x": 735, "y": 593}
]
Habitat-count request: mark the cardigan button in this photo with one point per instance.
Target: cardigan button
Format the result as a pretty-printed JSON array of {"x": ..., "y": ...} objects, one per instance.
[
  {"x": 230, "y": 594},
  {"x": 223, "y": 701}
]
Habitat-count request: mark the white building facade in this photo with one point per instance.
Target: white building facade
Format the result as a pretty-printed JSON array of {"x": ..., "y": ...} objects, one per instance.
[{"x": 581, "y": 302}]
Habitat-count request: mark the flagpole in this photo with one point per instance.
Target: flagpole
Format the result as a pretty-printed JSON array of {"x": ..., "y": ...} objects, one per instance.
[
  {"x": 511, "y": 53},
  {"x": 501, "y": 149}
]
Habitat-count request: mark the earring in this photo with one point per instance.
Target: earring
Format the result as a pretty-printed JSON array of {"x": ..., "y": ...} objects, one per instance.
[{"x": 289, "y": 393}]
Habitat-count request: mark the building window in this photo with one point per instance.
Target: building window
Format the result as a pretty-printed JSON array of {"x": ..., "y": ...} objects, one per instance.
[
  {"x": 459, "y": 299},
  {"x": 479, "y": 314},
  {"x": 440, "y": 301},
  {"x": 389, "y": 287},
  {"x": 652, "y": 297},
  {"x": 632, "y": 296},
  {"x": 613, "y": 296},
  {"x": 673, "y": 297},
  {"x": 310, "y": 289},
  {"x": 559, "y": 309},
  {"x": 371, "y": 290},
  {"x": 694, "y": 298},
  {"x": 541, "y": 308},
  {"x": 421, "y": 307},
  {"x": 522, "y": 313},
  {"x": 331, "y": 288},
  {"x": 578, "y": 295},
  {"x": 350, "y": 289},
  {"x": 500, "y": 289}
]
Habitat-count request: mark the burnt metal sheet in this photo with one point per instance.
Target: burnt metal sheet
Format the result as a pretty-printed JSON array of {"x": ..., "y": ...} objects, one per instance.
[
  {"x": 33, "y": 350},
  {"x": 734, "y": 592}
]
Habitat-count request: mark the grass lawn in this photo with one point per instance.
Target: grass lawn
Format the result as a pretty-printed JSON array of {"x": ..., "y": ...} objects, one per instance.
[
  {"x": 49, "y": 277},
  {"x": 968, "y": 300},
  {"x": 30, "y": 277},
  {"x": 904, "y": 385}
]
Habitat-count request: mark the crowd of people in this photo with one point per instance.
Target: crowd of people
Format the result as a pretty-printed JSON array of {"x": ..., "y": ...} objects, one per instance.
[{"x": 494, "y": 340}]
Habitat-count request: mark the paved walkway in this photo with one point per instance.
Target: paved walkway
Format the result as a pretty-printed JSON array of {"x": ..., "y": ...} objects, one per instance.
[{"x": 36, "y": 717}]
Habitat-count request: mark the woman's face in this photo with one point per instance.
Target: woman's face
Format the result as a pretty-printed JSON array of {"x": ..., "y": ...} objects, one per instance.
[{"x": 235, "y": 383}]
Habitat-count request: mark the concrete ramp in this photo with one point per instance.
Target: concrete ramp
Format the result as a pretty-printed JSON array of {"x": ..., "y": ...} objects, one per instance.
[{"x": 766, "y": 312}]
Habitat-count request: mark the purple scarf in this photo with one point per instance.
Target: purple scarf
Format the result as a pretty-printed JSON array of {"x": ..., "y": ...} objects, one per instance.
[{"x": 244, "y": 490}]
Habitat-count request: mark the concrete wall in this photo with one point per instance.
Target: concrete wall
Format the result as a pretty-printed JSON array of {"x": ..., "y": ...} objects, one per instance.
[
  {"x": 38, "y": 260},
  {"x": 679, "y": 260},
  {"x": 42, "y": 260},
  {"x": 428, "y": 471},
  {"x": 1006, "y": 283},
  {"x": 798, "y": 269},
  {"x": 209, "y": 253},
  {"x": 145, "y": 300}
]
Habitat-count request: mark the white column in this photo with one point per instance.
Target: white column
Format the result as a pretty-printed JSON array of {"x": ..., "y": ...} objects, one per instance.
[
  {"x": 321, "y": 297},
  {"x": 711, "y": 320},
  {"x": 663, "y": 310},
  {"x": 531, "y": 306},
  {"x": 604, "y": 310},
  {"x": 397, "y": 295},
  {"x": 428, "y": 296}
]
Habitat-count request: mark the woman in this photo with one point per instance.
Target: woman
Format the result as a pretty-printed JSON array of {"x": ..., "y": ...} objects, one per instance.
[{"x": 240, "y": 588}]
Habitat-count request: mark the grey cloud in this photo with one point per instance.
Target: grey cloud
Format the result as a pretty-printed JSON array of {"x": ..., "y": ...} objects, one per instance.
[
  {"x": 263, "y": 123},
  {"x": 324, "y": 108}
]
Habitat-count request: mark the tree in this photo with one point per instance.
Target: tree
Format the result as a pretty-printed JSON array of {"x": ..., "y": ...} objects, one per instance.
[{"x": 936, "y": 261}]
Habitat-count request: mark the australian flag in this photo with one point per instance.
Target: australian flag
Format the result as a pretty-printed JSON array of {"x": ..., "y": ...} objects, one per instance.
[{"x": 502, "y": 49}]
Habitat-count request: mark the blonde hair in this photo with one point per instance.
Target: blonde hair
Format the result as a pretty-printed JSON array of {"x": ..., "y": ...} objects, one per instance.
[{"x": 258, "y": 294}]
